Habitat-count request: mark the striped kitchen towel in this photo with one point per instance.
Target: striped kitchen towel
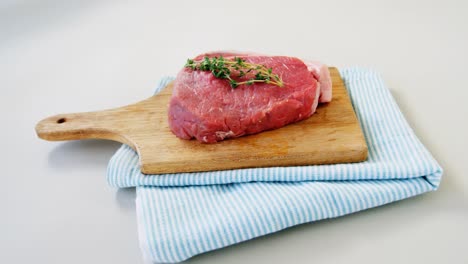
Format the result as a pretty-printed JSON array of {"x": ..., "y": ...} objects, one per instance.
[{"x": 182, "y": 215}]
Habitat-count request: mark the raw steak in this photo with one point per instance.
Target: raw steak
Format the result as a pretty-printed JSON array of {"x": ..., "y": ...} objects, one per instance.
[{"x": 208, "y": 109}]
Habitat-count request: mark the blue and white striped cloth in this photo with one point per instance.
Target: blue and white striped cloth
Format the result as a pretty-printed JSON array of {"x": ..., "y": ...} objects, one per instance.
[{"x": 182, "y": 215}]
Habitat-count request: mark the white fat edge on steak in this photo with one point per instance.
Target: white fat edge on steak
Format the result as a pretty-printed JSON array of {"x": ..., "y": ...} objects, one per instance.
[{"x": 322, "y": 74}]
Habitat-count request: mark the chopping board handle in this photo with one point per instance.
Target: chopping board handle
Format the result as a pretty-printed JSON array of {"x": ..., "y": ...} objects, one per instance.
[{"x": 96, "y": 125}]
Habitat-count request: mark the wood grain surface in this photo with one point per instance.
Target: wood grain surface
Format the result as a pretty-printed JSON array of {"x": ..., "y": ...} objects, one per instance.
[{"x": 331, "y": 135}]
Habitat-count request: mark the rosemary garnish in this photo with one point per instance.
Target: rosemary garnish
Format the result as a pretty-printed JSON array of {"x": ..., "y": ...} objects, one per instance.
[{"x": 229, "y": 69}]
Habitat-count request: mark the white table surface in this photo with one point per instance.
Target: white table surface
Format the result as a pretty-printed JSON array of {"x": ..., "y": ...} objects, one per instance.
[{"x": 68, "y": 56}]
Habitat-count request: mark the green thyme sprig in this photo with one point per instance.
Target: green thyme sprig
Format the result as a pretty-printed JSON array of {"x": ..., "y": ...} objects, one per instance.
[{"x": 233, "y": 69}]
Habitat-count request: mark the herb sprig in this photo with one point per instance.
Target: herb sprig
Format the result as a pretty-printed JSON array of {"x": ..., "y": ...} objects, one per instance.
[{"x": 233, "y": 69}]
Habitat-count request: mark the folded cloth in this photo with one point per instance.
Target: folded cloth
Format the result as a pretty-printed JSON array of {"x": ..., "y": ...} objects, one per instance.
[{"x": 185, "y": 214}]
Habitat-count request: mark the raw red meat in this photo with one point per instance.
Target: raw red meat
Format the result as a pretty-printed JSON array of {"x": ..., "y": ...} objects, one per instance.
[{"x": 208, "y": 109}]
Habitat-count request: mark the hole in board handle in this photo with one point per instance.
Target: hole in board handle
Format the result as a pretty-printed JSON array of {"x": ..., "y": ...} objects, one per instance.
[{"x": 61, "y": 120}]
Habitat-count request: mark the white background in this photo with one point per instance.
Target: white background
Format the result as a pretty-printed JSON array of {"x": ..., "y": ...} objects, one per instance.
[{"x": 63, "y": 56}]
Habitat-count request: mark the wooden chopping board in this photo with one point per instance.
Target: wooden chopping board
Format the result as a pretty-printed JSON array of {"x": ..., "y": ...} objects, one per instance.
[{"x": 331, "y": 135}]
